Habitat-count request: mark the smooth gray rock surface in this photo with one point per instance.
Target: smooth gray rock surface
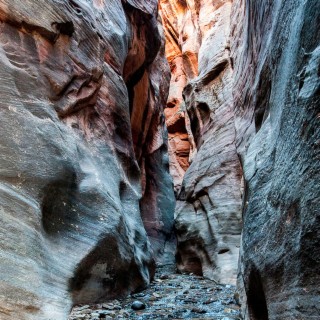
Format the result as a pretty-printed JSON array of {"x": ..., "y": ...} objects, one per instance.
[{"x": 276, "y": 94}]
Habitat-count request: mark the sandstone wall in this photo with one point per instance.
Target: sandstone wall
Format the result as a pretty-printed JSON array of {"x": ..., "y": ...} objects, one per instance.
[
  {"x": 276, "y": 57},
  {"x": 208, "y": 210},
  {"x": 181, "y": 51},
  {"x": 83, "y": 153},
  {"x": 248, "y": 89}
]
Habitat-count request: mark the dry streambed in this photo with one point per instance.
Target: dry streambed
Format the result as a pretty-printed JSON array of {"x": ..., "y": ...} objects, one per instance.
[{"x": 170, "y": 296}]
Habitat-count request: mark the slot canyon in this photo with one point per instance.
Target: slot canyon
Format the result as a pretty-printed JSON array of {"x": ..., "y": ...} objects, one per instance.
[{"x": 160, "y": 159}]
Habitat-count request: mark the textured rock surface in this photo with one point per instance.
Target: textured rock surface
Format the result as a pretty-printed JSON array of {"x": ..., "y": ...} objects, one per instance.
[
  {"x": 276, "y": 96},
  {"x": 182, "y": 58},
  {"x": 82, "y": 141},
  {"x": 170, "y": 296},
  {"x": 253, "y": 95},
  {"x": 208, "y": 210}
]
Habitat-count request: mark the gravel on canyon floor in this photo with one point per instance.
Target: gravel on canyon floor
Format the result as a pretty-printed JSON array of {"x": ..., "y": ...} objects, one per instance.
[{"x": 170, "y": 296}]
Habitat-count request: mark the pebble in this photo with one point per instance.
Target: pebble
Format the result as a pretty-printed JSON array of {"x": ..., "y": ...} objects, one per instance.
[
  {"x": 138, "y": 305},
  {"x": 198, "y": 310},
  {"x": 80, "y": 308},
  {"x": 138, "y": 295}
]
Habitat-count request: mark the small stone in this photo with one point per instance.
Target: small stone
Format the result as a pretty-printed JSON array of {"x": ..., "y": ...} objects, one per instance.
[
  {"x": 138, "y": 305},
  {"x": 156, "y": 295},
  {"x": 189, "y": 301},
  {"x": 198, "y": 310},
  {"x": 95, "y": 314},
  {"x": 86, "y": 311},
  {"x": 164, "y": 277},
  {"x": 209, "y": 301},
  {"x": 82, "y": 308},
  {"x": 138, "y": 295}
]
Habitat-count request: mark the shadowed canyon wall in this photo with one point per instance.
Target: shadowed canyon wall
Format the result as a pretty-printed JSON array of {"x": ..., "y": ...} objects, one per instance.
[
  {"x": 84, "y": 168},
  {"x": 246, "y": 82},
  {"x": 276, "y": 93}
]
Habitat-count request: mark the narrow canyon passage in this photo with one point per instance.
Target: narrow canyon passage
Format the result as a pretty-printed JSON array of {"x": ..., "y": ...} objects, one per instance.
[
  {"x": 206, "y": 175},
  {"x": 159, "y": 159},
  {"x": 200, "y": 280}
]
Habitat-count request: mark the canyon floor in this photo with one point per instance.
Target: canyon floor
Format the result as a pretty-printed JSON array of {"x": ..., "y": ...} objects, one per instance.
[{"x": 170, "y": 296}]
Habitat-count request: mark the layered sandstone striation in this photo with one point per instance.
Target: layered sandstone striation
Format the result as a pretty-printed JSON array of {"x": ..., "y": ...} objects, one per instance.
[
  {"x": 276, "y": 96},
  {"x": 86, "y": 198},
  {"x": 84, "y": 168},
  {"x": 182, "y": 58},
  {"x": 246, "y": 81},
  {"x": 208, "y": 210}
]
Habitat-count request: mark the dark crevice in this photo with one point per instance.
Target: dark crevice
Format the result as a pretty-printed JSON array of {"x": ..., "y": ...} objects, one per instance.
[
  {"x": 178, "y": 126},
  {"x": 214, "y": 73},
  {"x": 261, "y": 110},
  {"x": 75, "y": 6},
  {"x": 140, "y": 143},
  {"x": 122, "y": 190},
  {"x": 204, "y": 111},
  {"x": 257, "y": 304},
  {"x": 66, "y": 28},
  {"x": 222, "y": 251},
  {"x": 203, "y": 192},
  {"x": 195, "y": 127},
  {"x": 232, "y": 63},
  {"x": 131, "y": 83}
]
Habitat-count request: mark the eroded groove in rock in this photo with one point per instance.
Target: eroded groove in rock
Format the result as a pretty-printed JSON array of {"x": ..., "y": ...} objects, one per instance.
[{"x": 79, "y": 171}]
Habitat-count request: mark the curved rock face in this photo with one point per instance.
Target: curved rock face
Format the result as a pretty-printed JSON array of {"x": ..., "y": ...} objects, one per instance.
[
  {"x": 84, "y": 163},
  {"x": 208, "y": 210},
  {"x": 252, "y": 98},
  {"x": 276, "y": 96}
]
